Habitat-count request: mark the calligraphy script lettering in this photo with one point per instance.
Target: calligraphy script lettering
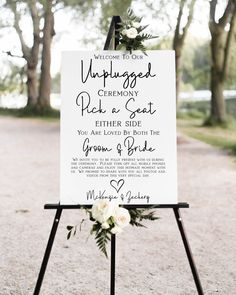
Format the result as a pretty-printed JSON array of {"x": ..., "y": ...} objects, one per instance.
[
  {"x": 130, "y": 78},
  {"x": 129, "y": 143},
  {"x": 133, "y": 113},
  {"x": 83, "y": 100},
  {"x": 87, "y": 148}
]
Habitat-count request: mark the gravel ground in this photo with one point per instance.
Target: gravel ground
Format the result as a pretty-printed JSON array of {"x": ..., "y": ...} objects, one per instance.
[{"x": 149, "y": 261}]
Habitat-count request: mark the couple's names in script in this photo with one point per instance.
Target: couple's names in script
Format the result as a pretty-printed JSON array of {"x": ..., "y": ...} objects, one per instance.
[{"x": 127, "y": 197}]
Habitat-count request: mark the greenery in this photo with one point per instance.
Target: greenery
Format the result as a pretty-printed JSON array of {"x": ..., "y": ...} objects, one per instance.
[
  {"x": 193, "y": 120},
  {"x": 138, "y": 215},
  {"x": 13, "y": 80},
  {"x": 56, "y": 81},
  {"x": 103, "y": 235},
  {"x": 224, "y": 138},
  {"x": 196, "y": 63},
  {"x": 110, "y": 8},
  {"x": 131, "y": 33},
  {"x": 201, "y": 110},
  {"x": 31, "y": 112}
]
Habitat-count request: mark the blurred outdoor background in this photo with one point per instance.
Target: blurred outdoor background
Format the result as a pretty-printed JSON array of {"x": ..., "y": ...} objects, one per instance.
[{"x": 150, "y": 261}]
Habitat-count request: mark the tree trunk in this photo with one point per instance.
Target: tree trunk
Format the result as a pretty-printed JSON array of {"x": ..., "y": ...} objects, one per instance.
[
  {"x": 218, "y": 113},
  {"x": 177, "y": 71},
  {"x": 221, "y": 40},
  {"x": 179, "y": 39},
  {"x": 45, "y": 78},
  {"x": 30, "y": 54},
  {"x": 32, "y": 87}
]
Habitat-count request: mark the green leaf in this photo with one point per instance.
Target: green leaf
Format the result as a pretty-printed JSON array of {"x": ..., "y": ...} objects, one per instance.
[
  {"x": 121, "y": 47},
  {"x": 137, "y": 43},
  {"x": 138, "y": 224},
  {"x": 142, "y": 28},
  {"x": 81, "y": 223},
  {"x": 137, "y": 215},
  {"x": 69, "y": 235},
  {"x": 102, "y": 238},
  {"x": 91, "y": 218}
]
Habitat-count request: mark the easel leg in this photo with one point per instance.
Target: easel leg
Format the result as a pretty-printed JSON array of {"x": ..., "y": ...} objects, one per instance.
[
  {"x": 48, "y": 251},
  {"x": 188, "y": 251},
  {"x": 113, "y": 264}
]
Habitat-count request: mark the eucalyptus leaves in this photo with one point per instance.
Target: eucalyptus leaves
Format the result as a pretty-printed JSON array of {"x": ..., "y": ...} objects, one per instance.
[
  {"x": 131, "y": 34},
  {"x": 109, "y": 218}
]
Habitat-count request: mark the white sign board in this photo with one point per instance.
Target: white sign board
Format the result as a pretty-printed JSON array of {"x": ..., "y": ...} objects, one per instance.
[{"x": 118, "y": 127}]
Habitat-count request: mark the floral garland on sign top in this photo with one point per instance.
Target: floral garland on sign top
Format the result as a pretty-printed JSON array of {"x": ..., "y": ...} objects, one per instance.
[
  {"x": 109, "y": 218},
  {"x": 131, "y": 33}
]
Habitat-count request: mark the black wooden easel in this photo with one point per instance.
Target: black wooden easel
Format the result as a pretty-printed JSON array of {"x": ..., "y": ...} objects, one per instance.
[{"x": 111, "y": 43}]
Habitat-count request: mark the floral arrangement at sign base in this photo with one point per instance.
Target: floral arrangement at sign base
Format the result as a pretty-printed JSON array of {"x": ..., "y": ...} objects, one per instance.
[
  {"x": 109, "y": 218},
  {"x": 131, "y": 36}
]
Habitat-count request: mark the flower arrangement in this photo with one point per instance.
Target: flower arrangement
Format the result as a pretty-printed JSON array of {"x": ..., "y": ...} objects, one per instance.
[
  {"x": 109, "y": 218},
  {"x": 131, "y": 33}
]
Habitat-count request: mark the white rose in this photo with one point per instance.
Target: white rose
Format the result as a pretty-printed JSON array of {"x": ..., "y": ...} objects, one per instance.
[
  {"x": 116, "y": 230},
  {"x": 123, "y": 32},
  {"x": 131, "y": 33},
  {"x": 121, "y": 217},
  {"x": 136, "y": 25},
  {"x": 102, "y": 210},
  {"x": 105, "y": 225}
]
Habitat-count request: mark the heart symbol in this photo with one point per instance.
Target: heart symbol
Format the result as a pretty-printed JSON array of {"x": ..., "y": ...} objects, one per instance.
[{"x": 117, "y": 185}]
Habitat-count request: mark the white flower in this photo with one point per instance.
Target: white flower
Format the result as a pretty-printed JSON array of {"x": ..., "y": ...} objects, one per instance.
[
  {"x": 131, "y": 33},
  {"x": 102, "y": 210},
  {"x": 105, "y": 225},
  {"x": 116, "y": 230},
  {"x": 124, "y": 32},
  {"x": 136, "y": 25},
  {"x": 121, "y": 217}
]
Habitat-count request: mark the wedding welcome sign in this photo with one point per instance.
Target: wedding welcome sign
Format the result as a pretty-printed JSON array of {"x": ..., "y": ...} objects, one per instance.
[{"x": 118, "y": 127}]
